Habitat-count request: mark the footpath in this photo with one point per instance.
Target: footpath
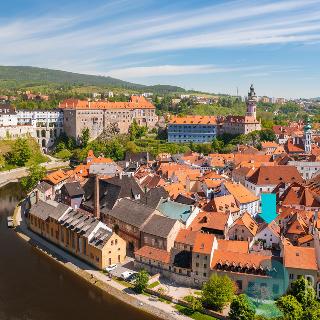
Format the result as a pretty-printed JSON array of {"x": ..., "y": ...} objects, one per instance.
[
  {"x": 98, "y": 279},
  {"x": 18, "y": 173}
]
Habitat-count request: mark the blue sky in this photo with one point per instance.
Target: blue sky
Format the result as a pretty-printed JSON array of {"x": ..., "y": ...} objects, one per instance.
[{"x": 214, "y": 46}]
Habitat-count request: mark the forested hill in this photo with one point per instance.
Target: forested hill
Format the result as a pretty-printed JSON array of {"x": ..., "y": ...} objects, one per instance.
[{"x": 40, "y": 76}]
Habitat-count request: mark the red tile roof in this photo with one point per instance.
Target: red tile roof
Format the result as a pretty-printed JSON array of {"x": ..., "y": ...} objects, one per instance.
[
  {"x": 299, "y": 258},
  {"x": 136, "y": 102},
  {"x": 274, "y": 175},
  {"x": 203, "y": 243},
  {"x": 153, "y": 254}
]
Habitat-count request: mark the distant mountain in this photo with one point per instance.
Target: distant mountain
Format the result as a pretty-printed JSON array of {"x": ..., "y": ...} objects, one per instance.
[{"x": 33, "y": 75}]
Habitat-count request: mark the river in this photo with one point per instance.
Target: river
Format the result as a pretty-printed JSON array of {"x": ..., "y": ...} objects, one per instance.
[{"x": 33, "y": 287}]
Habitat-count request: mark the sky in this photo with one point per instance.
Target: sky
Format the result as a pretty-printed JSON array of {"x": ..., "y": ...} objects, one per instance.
[{"x": 214, "y": 46}]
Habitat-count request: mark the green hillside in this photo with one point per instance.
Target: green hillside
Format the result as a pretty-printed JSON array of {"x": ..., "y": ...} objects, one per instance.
[{"x": 15, "y": 76}]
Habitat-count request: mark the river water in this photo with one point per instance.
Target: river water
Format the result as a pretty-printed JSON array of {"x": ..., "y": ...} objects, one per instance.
[{"x": 33, "y": 287}]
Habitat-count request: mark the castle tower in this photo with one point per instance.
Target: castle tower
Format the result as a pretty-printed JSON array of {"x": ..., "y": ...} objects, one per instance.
[
  {"x": 252, "y": 103},
  {"x": 307, "y": 137}
]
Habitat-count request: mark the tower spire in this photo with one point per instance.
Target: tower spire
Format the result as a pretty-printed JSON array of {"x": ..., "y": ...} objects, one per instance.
[{"x": 251, "y": 103}]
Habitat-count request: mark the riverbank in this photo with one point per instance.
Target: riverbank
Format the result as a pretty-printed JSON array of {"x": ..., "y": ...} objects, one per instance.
[
  {"x": 18, "y": 173},
  {"x": 94, "y": 277}
]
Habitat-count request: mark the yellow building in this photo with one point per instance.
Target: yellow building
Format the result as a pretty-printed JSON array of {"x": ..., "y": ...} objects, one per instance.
[{"x": 78, "y": 232}]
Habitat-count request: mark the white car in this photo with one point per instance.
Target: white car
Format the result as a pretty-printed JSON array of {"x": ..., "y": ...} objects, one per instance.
[
  {"x": 126, "y": 275},
  {"x": 10, "y": 222},
  {"x": 110, "y": 268}
]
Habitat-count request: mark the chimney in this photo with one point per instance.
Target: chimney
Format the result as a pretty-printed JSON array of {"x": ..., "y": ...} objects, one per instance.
[{"x": 96, "y": 198}]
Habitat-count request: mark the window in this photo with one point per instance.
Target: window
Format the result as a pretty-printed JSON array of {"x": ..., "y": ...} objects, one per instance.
[
  {"x": 197, "y": 264},
  {"x": 204, "y": 274},
  {"x": 110, "y": 261},
  {"x": 291, "y": 276},
  {"x": 97, "y": 259},
  {"x": 116, "y": 241},
  {"x": 204, "y": 265}
]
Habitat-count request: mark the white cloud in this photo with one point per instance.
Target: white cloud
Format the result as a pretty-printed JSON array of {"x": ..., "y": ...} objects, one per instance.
[
  {"x": 114, "y": 36},
  {"x": 170, "y": 70}
]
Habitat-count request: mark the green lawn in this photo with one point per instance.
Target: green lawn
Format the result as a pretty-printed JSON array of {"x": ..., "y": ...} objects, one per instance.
[
  {"x": 124, "y": 283},
  {"x": 193, "y": 314},
  {"x": 153, "y": 285}
]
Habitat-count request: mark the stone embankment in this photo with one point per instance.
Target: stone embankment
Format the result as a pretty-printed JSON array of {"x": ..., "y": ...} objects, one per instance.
[{"x": 92, "y": 276}]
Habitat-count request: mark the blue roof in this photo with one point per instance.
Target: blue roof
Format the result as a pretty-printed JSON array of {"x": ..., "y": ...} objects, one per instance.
[{"x": 175, "y": 210}]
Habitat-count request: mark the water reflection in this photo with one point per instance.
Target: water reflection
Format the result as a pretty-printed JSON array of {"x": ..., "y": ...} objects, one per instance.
[{"x": 32, "y": 287}]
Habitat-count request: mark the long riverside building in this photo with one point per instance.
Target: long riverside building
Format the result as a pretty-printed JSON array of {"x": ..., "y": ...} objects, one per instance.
[
  {"x": 98, "y": 115},
  {"x": 78, "y": 232}
]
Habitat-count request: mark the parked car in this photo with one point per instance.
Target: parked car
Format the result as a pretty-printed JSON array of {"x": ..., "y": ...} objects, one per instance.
[
  {"x": 132, "y": 277},
  {"x": 10, "y": 222},
  {"x": 126, "y": 275},
  {"x": 110, "y": 268}
]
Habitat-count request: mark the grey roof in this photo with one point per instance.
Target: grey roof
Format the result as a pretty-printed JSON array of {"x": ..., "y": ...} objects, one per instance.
[
  {"x": 185, "y": 200},
  {"x": 131, "y": 212},
  {"x": 100, "y": 238},
  {"x": 141, "y": 157},
  {"x": 43, "y": 186},
  {"x": 73, "y": 189},
  {"x": 153, "y": 196},
  {"x": 52, "y": 209},
  {"x": 159, "y": 226},
  {"x": 79, "y": 221},
  {"x": 111, "y": 190},
  {"x": 103, "y": 168}
]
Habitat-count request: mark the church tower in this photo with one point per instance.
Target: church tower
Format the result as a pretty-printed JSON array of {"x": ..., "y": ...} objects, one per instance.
[
  {"x": 307, "y": 137},
  {"x": 252, "y": 103}
]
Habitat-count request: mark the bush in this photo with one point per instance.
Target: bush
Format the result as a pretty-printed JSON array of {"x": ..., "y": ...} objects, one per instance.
[
  {"x": 36, "y": 173},
  {"x": 241, "y": 308},
  {"x": 217, "y": 292},
  {"x": 140, "y": 282},
  {"x": 20, "y": 153},
  {"x": 194, "y": 302},
  {"x": 64, "y": 154}
]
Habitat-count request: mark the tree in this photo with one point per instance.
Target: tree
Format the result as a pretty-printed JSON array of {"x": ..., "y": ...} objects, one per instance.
[
  {"x": 290, "y": 308},
  {"x": 140, "y": 281},
  {"x": 115, "y": 150},
  {"x": 136, "y": 131},
  {"x": 194, "y": 303},
  {"x": 60, "y": 146},
  {"x": 267, "y": 135},
  {"x": 131, "y": 147},
  {"x": 241, "y": 308},
  {"x": 217, "y": 145},
  {"x": 85, "y": 137},
  {"x": 20, "y": 152},
  {"x": 313, "y": 313},
  {"x": 64, "y": 154},
  {"x": 217, "y": 292},
  {"x": 133, "y": 130},
  {"x": 36, "y": 173},
  {"x": 303, "y": 292},
  {"x": 2, "y": 161}
]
